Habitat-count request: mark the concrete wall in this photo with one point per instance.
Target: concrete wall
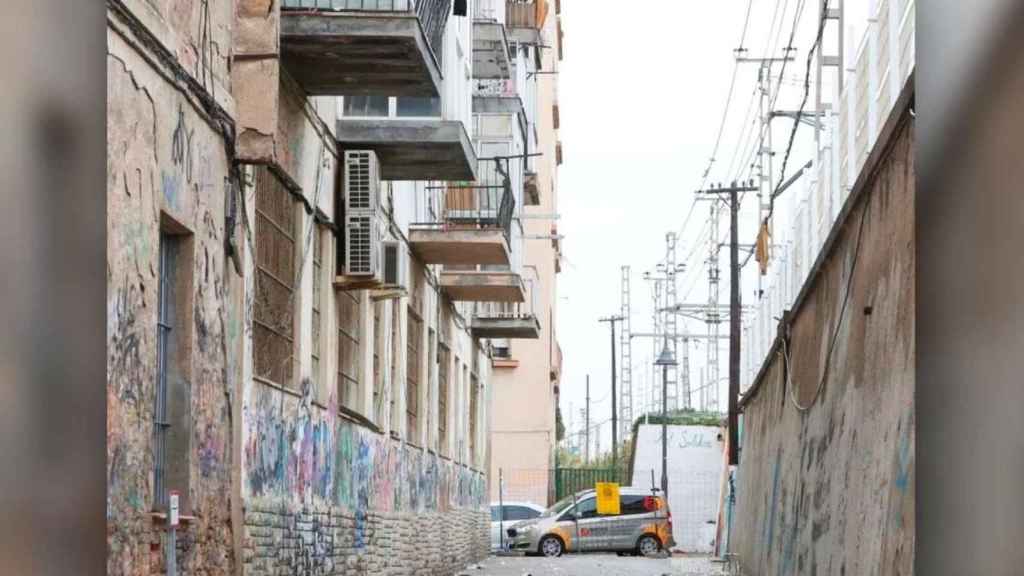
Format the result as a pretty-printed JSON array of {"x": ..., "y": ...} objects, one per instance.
[
  {"x": 830, "y": 490},
  {"x": 167, "y": 167},
  {"x": 696, "y": 458},
  {"x": 525, "y": 397}
]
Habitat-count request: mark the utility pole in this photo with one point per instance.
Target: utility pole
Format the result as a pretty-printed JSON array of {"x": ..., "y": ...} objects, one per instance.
[
  {"x": 626, "y": 384},
  {"x": 586, "y": 420},
  {"x": 615, "y": 419},
  {"x": 734, "y": 308}
]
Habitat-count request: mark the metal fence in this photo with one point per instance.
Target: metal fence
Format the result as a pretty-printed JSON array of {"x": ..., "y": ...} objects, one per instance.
[{"x": 571, "y": 480}]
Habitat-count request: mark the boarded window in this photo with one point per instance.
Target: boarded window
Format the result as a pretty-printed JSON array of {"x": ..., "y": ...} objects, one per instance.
[
  {"x": 413, "y": 344},
  {"x": 273, "y": 337},
  {"x": 396, "y": 346},
  {"x": 412, "y": 375},
  {"x": 318, "y": 277},
  {"x": 378, "y": 359},
  {"x": 474, "y": 399},
  {"x": 443, "y": 360},
  {"x": 348, "y": 349}
]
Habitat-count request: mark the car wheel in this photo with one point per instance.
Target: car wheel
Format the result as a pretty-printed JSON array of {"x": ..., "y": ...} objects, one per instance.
[
  {"x": 648, "y": 546},
  {"x": 551, "y": 546}
]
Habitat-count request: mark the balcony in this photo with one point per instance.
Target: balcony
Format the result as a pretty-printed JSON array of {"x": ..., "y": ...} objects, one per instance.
[
  {"x": 413, "y": 149},
  {"x": 525, "y": 20},
  {"x": 470, "y": 285},
  {"x": 466, "y": 223},
  {"x": 490, "y": 42},
  {"x": 364, "y": 47},
  {"x": 509, "y": 320}
]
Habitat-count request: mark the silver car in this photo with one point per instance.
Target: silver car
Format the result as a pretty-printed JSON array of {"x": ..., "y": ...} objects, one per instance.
[
  {"x": 643, "y": 526},
  {"x": 514, "y": 513}
]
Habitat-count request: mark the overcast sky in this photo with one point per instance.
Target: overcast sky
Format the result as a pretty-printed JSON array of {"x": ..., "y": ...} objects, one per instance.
[{"x": 642, "y": 90}]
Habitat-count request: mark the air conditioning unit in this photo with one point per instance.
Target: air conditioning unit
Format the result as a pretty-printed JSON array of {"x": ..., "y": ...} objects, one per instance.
[
  {"x": 362, "y": 181},
  {"x": 394, "y": 271},
  {"x": 362, "y": 247}
]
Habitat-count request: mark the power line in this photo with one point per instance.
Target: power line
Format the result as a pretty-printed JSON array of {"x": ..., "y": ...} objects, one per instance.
[
  {"x": 728, "y": 100},
  {"x": 721, "y": 125},
  {"x": 803, "y": 104}
]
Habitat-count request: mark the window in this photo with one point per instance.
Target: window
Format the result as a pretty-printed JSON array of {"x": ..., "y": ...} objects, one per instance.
[
  {"x": 172, "y": 420},
  {"x": 584, "y": 509},
  {"x": 514, "y": 513},
  {"x": 474, "y": 399},
  {"x": 431, "y": 353},
  {"x": 412, "y": 375},
  {"x": 365, "y": 106},
  {"x": 396, "y": 346},
  {"x": 632, "y": 504},
  {"x": 318, "y": 277},
  {"x": 378, "y": 353},
  {"x": 443, "y": 361},
  {"x": 273, "y": 338},
  {"x": 501, "y": 348},
  {"x": 348, "y": 349},
  {"x": 414, "y": 335},
  {"x": 421, "y": 107}
]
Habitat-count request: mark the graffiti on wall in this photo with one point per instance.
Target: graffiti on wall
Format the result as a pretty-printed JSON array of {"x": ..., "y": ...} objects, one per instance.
[{"x": 294, "y": 452}]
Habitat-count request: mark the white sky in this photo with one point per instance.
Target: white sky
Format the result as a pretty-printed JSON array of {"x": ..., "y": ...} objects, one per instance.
[{"x": 642, "y": 89}]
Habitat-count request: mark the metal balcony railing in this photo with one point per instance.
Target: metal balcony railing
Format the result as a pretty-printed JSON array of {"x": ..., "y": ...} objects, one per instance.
[
  {"x": 432, "y": 14},
  {"x": 525, "y": 310},
  {"x": 486, "y": 203}
]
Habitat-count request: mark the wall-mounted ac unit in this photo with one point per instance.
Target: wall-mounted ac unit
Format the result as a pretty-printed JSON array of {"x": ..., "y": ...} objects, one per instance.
[
  {"x": 362, "y": 182},
  {"x": 394, "y": 271},
  {"x": 362, "y": 246}
]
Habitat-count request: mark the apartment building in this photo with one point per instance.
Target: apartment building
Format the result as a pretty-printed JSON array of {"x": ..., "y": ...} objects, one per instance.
[
  {"x": 527, "y": 371},
  {"x": 317, "y": 247}
]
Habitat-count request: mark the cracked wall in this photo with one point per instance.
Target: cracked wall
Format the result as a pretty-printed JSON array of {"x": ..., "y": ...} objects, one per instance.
[
  {"x": 830, "y": 490},
  {"x": 166, "y": 162}
]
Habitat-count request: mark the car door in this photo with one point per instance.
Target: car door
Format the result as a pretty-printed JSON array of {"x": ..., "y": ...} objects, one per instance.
[
  {"x": 628, "y": 525},
  {"x": 592, "y": 528}
]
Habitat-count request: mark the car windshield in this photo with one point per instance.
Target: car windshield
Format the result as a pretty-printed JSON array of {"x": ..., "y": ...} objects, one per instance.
[{"x": 558, "y": 507}]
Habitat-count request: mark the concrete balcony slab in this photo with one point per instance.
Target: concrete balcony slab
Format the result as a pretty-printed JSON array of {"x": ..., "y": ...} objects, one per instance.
[
  {"x": 482, "y": 286},
  {"x": 459, "y": 247},
  {"x": 517, "y": 328},
  {"x": 358, "y": 53},
  {"x": 413, "y": 149}
]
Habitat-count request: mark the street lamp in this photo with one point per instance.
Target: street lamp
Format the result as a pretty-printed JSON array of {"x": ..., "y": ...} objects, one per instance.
[{"x": 665, "y": 359}]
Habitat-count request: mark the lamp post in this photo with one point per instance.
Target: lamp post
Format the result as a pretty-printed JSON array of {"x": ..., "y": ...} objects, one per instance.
[{"x": 665, "y": 359}]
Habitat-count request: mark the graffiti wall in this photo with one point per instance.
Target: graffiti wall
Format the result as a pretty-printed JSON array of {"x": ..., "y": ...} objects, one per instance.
[
  {"x": 166, "y": 171},
  {"x": 330, "y": 496},
  {"x": 826, "y": 473}
]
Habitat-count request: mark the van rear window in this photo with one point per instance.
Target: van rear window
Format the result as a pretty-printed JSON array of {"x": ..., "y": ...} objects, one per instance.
[{"x": 632, "y": 504}]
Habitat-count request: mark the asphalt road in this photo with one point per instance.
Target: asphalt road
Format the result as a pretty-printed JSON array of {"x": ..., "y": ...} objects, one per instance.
[{"x": 595, "y": 565}]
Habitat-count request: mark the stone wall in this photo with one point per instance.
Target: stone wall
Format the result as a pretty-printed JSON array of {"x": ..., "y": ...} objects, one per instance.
[
  {"x": 281, "y": 541},
  {"x": 830, "y": 489},
  {"x": 168, "y": 167}
]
